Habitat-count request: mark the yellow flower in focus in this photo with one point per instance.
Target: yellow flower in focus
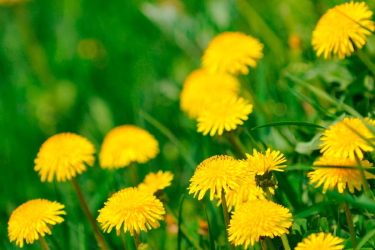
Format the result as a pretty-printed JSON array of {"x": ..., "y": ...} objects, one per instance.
[
  {"x": 232, "y": 52},
  {"x": 217, "y": 173},
  {"x": 202, "y": 87},
  {"x": 34, "y": 219},
  {"x": 341, "y": 141},
  {"x": 64, "y": 155},
  {"x": 223, "y": 114},
  {"x": 321, "y": 241},
  {"x": 339, "y": 178},
  {"x": 246, "y": 192},
  {"x": 156, "y": 181},
  {"x": 136, "y": 210},
  {"x": 342, "y": 28},
  {"x": 126, "y": 144},
  {"x": 258, "y": 218},
  {"x": 261, "y": 164}
]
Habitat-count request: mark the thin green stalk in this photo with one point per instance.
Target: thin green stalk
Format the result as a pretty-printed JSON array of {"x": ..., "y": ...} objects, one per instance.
[
  {"x": 134, "y": 173},
  {"x": 43, "y": 243},
  {"x": 366, "y": 60},
  {"x": 350, "y": 224},
  {"x": 226, "y": 216},
  {"x": 137, "y": 241},
  {"x": 270, "y": 244},
  {"x": 237, "y": 144},
  {"x": 123, "y": 240},
  {"x": 98, "y": 235},
  {"x": 263, "y": 244},
  {"x": 366, "y": 186},
  {"x": 285, "y": 242}
]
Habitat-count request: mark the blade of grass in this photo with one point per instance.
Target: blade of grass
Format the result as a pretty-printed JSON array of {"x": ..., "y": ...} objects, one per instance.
[
  {"x": 211, "y": 238},
  {"x": 286, "y": 123},
  {"x": 365, "y": 239},
  {"x": 179, "y": 234},
  {"x": 165, "y": 131},
  {"x": 323, "y": 95}
]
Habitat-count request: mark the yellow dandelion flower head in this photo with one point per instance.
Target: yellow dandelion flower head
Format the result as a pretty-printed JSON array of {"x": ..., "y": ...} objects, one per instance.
[
  {"x": 232, "y": 52},
  {"x": 201, "y": 87},
  {"x": 223, "y": 114},
  {"x": 342, "y": 28},
  {"x": 321, "y": 241},
  {"x": 156, "y": 181},
  {"x": 217, "y": 173},
  {"x": 339, "y": 178},
  {"x": 64, "y": 155},
  {"x": 126, "y": 144},
  {"x": 246, "y": 192},
  {"x": 33, "y": 219},
  {"x": 133, "y": 209},
  {"x": 264, "y": 163},
  {"x": 258, "y": 218},
  {"x": 340, "y": 140}
]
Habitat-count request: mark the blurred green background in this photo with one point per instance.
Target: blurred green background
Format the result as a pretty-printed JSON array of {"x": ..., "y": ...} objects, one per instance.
[{"x": 88, "y": 66}]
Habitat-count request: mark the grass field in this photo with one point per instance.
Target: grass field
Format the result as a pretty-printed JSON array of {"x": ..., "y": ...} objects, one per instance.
[{"x": 88, "y": 66}]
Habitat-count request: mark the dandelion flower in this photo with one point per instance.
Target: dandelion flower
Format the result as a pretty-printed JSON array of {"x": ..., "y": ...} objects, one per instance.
[
  {"x": 339, "y": 178},
  {"x": 64, "y": 155},
  {"x": 321, "y": 241},
  {"x": 232, "y": 52},
  {"x": 246, "y": 192},
  {"x": 201, "y": 87},
  {"x": 341, "y": 141},
  {"x": 217, "y": 173},
  {"x": 156, "y": 181},
  {"x": 258, "y": 218},
  {"x": 261, "y": 164},
  {"x": 136, "y": 210},
  {"x": 342, "y": 28},
  {"x": 126, "y": 144},
  {"x": 34, "y": 219},
  {"x": 223, "y": 114}
]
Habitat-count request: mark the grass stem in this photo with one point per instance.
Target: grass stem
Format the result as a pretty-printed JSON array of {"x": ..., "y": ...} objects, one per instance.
[
  {"x": 98, "y": 235},
  {"x": 137, "y": 241},
  {"x": 366, "y": 60},
  {"x": 226, "y": 216},
  {"x": 350, "y": 224},
  {"x": 285, "y": 242},
  {"x": 43, "y": 243}
]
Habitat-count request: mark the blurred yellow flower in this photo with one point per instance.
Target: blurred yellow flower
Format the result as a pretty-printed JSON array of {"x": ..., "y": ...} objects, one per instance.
[
  {"x": 136, "y": 210},
  {"x": 258, "y": 218},
  {"x": 340, "y": 140},
  {"x": 321, "y": 241},
  {"x": 34, "y": 219},
  {"x": 339, "y": 178},
  {"x": 126, "y": 144},
  {"x": 223, "y": 114},
  {"x": 201, "y": 87},
  {"x": 342, "y": 28},
  {"x": 232, "y": 52},
  {"x": 261, "y": 164},
  {"x": 156, "y": 181},
  {"x": 217, "y": 173},
  {"x": 242, "y": 194},
  {"x": 64, "y": 155},
  {"x": 12, "y": 2}
]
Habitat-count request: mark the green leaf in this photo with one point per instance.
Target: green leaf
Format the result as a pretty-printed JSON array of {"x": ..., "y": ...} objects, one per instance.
[
  {"x": 211, "y": 238},
  {"x": 324, "y": 225},
  {"x": 285, "y": 123}
]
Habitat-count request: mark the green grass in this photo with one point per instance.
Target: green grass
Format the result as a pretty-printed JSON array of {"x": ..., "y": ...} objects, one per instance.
[{"x": 46, "y": 88}]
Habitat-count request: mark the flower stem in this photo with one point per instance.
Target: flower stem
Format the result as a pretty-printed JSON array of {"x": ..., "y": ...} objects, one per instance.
[
  {"x": 43, "y": 243},
  {"x": 237, "y": 144},
  {"x": 285, "y": 242},
  {"x": 366, "y": 60},
  {"x": 263, "y": 244},
  {"x": 123, "y": 240},
  {"x": 363, "y": 176},
  {"x": 226, "y": 216},
  {"x": 350, "y": 224},
  {"x": 134, "y": 173},
  {"x": 98, "y": 236},
  {"x": 136, "y": 239}
]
